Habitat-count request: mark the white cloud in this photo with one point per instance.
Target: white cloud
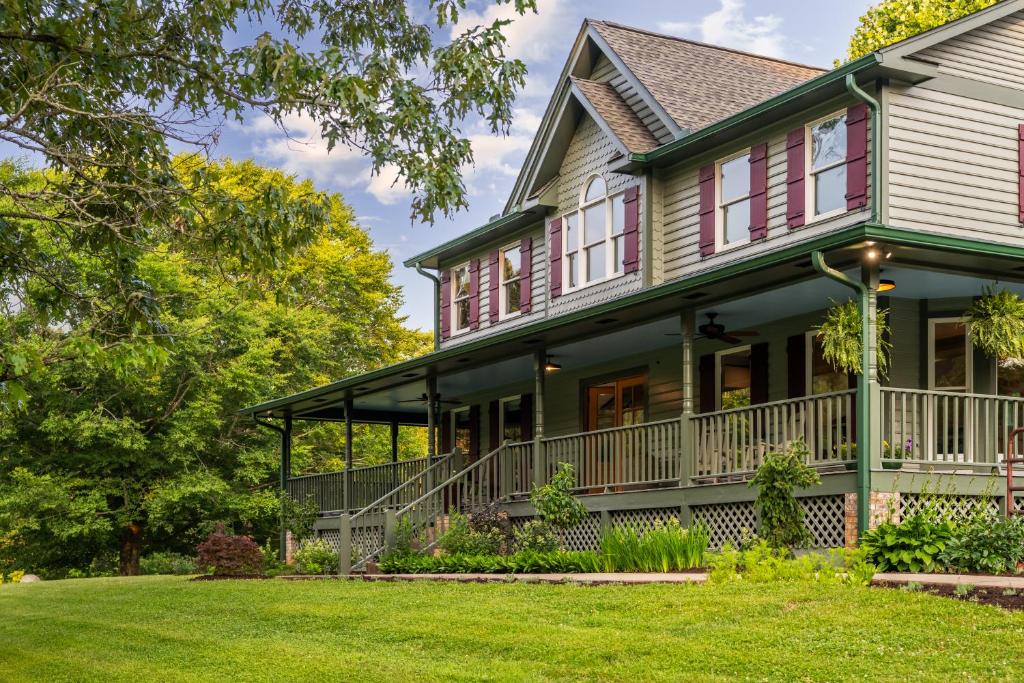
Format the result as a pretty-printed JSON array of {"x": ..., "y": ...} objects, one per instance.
[
  {"x": 303, "y": 152},
  {"x": 729, "y": 27},
  {"x": 387, "y": 188},
  {"x": 534, "y": 36}
]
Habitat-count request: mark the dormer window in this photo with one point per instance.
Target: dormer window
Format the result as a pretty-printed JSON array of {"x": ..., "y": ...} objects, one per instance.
[
  {"x": 826, "y": 166},
  {"x": 460, "y": 297},
  {"x": 594, "y": 236}
]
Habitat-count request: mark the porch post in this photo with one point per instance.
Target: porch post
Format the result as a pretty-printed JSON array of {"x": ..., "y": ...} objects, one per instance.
[
  {"x": 688, "y": 321},
  {"x": 346, "y": 493},
  {"x": 873, "y": 412},
  {"x": 394, "y": 441},
  {"x": 286, "y": 473},
  {"x": 539, "y": 361}
]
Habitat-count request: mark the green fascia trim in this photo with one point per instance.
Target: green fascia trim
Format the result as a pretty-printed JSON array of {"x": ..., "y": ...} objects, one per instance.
[
  {"x": 840, "y": 238},
  {"x": 456, "y": 243},
  {"x": 826, "y": 79}
]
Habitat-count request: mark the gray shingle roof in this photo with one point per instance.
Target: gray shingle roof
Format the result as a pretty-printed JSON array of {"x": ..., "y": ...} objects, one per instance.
[
  {"x": 699, "y": 84},
  {"x": 623, "y": 121}
]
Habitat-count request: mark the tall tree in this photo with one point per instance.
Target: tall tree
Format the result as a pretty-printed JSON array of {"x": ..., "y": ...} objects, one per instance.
[
  {"x": 100, "y": 91},
  {"x": 112, "y": 458},
  {"x": 891, "y": 21}
]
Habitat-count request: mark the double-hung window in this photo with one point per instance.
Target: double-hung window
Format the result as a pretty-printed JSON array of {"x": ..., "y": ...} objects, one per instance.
[
  {"x": 509, "y": 268},
  {"x": 460, "y": 297},
  {"x": 733, "y": 216},
  {"x": 594, "y": 236},
  {"x": 827, "y": 166}
]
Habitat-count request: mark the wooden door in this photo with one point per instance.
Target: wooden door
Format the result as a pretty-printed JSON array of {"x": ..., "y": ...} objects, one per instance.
[{"x": 617, "y": 403}]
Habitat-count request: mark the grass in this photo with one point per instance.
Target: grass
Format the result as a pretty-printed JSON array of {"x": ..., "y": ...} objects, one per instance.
[{"x": 167, "y": 629}]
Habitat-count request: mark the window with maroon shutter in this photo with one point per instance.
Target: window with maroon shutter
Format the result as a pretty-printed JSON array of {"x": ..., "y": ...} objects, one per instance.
[
  {"x": 1020, "y": 172},
  {"x": 510, "y": 279},
  {"x": 759, "y": 191},
  {"x": 856, "y": 157},
  {"x": 732, "y": 193},
  {"x": 706, "y": 177},
  {"x": 493, "y": 288},
  {"x": 555, "y": 249},
  {"x": 827, "y": 171},
  {"x": 525, "y": 279},
  {"x": 796, "y": 189},
  {"x": 631, "y": 232},
  {"x": 474, "y": 294},
  {"x": 446, "y": 304}
]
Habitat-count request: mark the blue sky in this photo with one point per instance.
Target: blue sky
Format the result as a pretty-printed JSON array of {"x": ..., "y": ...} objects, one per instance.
[{"x": 809, "y": 31}]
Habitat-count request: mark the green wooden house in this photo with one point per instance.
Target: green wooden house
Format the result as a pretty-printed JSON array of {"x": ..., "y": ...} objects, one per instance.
[{"x": 644, "y": 306}]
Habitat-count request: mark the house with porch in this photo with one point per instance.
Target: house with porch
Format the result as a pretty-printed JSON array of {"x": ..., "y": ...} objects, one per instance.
[{"x": 645, "y": 305}]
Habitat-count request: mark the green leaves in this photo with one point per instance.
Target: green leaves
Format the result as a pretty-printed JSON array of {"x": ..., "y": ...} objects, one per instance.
[
  {"x": 995, "y": 324},
  {"x": 913, "y": 545},
  {"x": 778, "y": 477},
  {"x": 555, "y": 503},
  {"x": 891, "y": 21},
  {"x": 840, "y": 336}
]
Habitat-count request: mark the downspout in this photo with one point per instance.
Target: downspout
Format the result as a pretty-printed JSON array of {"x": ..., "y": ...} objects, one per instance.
[
  {"x": 864, "y": 439},
  {"x": 437, "y": 303},
  {"x": 285, "y": 471},
  {"x": 876, "y": 143}
]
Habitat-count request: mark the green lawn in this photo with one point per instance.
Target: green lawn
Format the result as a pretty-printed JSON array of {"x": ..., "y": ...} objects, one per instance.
[{"x": 167, "y": 629}]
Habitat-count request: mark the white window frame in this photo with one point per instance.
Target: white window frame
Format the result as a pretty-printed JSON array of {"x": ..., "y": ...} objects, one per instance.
[
  {"x": 811, "y": 335},
  {"x": 720, "y": 243},
  {"x": 501, "y": 413},
  {"x": 455, "y": 329},
  {"x": 968, "y": 356},
  {"x": 452, "y": 415},
  {"x": 503, "y": 313},
  {"x": 718, "y": 369},
  {"x": 811, "y": 175},
  {"x": 612, "y": 270}
]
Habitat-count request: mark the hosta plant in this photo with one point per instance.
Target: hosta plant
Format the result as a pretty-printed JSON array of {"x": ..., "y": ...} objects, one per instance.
[{"x": 913, "y": 545}]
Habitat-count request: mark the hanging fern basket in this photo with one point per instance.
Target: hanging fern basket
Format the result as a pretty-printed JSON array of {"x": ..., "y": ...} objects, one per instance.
[
  {"x": 840, "y": 338},
  {"x": 996, "y": 325}
]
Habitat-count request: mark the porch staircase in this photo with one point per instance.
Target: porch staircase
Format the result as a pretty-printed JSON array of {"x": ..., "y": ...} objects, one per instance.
[{"x": 449, "y": 487}]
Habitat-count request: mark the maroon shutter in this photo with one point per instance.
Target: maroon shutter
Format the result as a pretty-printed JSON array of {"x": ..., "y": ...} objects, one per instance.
[
  {"x": 446, "y": 431},
  {"x": 706, "y": 176},
  {"x": 631, "y": 231},
  {"x": 493, "y": 288},
  {"x": 525, "y": 273},
  {"x": 856, "y": 157},
  {"x": 474, "y": 431},
  {"x": 759, "y": 373},
  {"x": 493, "y": 425},
  {"x": 526, "y": 415},
  {"x": 759, "y": 191},
  {"x": 556, "y": 257},
  {"x": 474, "y": 294},
  {"x": 706, "y": 383},
  {"x": 1020, "y": 172},
  {"x": 796, "y": 194},
  {"x": 446, "y": 304},
  {"x": 796, "y": 362}
]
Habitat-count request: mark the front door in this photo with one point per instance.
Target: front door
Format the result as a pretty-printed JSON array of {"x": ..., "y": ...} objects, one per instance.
[
  {"x": 616, "y": 403},
  {"x": 949, "y": 370}
]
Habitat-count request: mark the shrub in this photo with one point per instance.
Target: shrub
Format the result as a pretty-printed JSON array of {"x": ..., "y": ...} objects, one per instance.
[
  {"x": 490, "y": 517},
  {"x": 167, "y": 563},
  {"x": 913, "y": 545},
  {"x": 555, "y": 503},
  {"x": 13, "y": 577},
  {"x": 524, "y": 562},
  {"x": 762, "y": 563},
  {"x": 536, "y": 536},
  {"x": 316, "y": 556},
  {"x": 462, "y": 539},
  {"x": 986, "y": 544},
  {"x": 782, "y": 517},
  {"x": 224, "y": 554},
  {"x": 299, "y": 516},
  {"x": 659, "y": 548}
]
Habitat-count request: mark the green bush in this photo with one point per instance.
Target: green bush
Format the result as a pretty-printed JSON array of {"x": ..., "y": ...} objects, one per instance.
[
  {"x": 525, "y": 562},
  {"x": 316, "y": 557},
  {"x": 986, "y": 544},
  {"x": 913, "y": 545},
  {"x": 782, "y": 517},
  {"x": 555, "y": 503},
  {"x": 536, "y": 536},
  {"x": 658, "y": 548},
  {"x": 462, "y": 539},
  {"x": 167, "y": 563},
  {"x": 762, "y": 563}
]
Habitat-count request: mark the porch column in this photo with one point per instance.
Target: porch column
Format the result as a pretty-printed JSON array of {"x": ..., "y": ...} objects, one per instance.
[
  {"x": 688, "y": 322},
  {"x": 286, "y": 473},
  {"x": 869, "y": 394},
  {"x": 346, "y": 493},
  {"x": 539, "y": 361},
  {"x": 394, "y": 441}
]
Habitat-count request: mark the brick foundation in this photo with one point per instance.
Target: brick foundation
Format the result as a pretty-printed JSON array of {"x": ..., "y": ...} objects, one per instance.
[
  {"x": 290, "y": 546},
  {"x": 882, "y": 506}
]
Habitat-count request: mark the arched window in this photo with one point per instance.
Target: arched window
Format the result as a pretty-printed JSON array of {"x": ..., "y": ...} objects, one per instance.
[{"x": 593, "y": 236}]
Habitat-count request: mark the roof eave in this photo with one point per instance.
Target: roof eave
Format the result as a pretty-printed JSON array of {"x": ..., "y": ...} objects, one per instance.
[{"x": 497, "y": 228}]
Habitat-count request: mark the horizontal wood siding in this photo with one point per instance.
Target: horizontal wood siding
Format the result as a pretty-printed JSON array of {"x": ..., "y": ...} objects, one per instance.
[
  {"x": 993, "y": 53},
  {"x": 953, "y": 165}
]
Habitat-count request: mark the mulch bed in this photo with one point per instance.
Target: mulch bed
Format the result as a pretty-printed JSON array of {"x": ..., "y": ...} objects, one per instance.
[
  {"x": 221, "y": 577},
  {"x": 1000, "y": 597}
]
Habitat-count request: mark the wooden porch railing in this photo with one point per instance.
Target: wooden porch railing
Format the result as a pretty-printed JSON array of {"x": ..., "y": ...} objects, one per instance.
[
  {"x": 734, "y": 442},
  {"x": 366, "y": 484},
  {"x": 947, "y": 427}
]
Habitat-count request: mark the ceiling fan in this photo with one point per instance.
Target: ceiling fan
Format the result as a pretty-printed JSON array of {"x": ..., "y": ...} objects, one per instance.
[
  {"x": 717, "y": 332},
  {"x": 423, "y": 400}
]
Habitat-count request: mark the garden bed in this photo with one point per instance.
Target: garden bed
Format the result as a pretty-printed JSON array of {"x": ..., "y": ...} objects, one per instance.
[
  {"x": 223, "y": 577},
  {"x": 1007, "y": 598}
]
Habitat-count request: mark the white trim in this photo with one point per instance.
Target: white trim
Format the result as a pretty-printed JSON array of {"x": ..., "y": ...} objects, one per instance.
[
  {"x": 718, "y": 369},
  {"x": 612, "y": 270},
  {"x": 501, "y": 413},
  {"x": 454, "y": 423},
  {"x": 968, "y": 355},
  {"x": 502, "y": 295},
  {"x": 720, "y": 243},
  {"x": 455, "y": 329},
  {"x": 810, "y": 173}
]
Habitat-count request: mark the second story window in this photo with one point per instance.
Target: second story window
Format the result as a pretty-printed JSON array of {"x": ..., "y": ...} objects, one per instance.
[
  {"x": 510, "y": 267},
  {"x": 733, "y": 215},
  {"x": 827, "y": 166},
  {"x": 460, "y": 297},
  {"x": 593, "y": 237}
]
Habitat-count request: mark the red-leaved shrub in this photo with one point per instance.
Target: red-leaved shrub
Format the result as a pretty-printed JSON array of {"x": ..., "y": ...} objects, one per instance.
[{"x": 230, "y": 555}]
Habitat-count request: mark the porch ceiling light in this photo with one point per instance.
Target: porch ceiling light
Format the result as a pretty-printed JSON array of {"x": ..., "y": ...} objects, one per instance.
[
  {"x": 886, "y": 285},
  {"x": 551, "y": 366},
  {"x": 871, "y": 254}
]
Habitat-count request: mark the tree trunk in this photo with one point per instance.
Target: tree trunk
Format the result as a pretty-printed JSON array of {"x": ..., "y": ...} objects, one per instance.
[{"x": 131, "y": 548}]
